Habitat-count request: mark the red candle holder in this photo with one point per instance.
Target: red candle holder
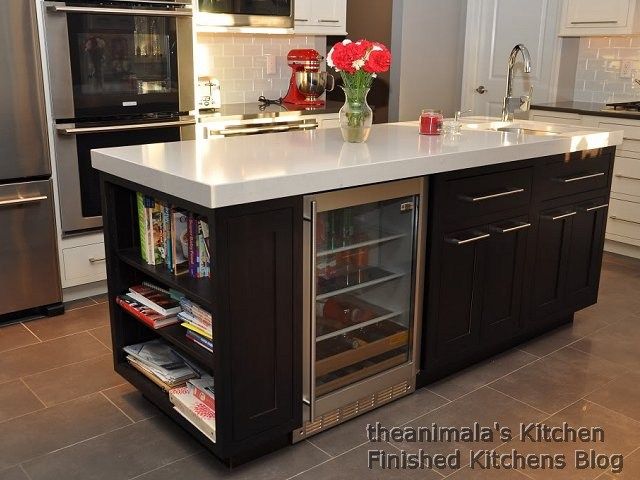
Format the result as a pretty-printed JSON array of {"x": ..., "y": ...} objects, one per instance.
[{"x": 431, "y": 122}]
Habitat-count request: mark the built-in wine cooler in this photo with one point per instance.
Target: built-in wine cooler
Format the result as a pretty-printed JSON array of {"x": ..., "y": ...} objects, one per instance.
[{"x": 363, "y": 249}]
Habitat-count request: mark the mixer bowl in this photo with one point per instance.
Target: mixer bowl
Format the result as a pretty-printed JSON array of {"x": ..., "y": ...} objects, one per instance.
[{"x": 314, "y": 84}]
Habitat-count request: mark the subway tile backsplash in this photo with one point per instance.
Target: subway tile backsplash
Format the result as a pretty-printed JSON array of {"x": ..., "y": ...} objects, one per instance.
[
  {"x": 598, "y": 70},
  {"x": 239, "y": 61}
]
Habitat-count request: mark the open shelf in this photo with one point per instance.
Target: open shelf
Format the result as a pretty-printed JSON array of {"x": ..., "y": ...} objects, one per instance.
[
  {"x": 197, "y": 289},
  {"x": 160, "y": 399},
  {"x": 366, "y": 243},
  {"x": 357, "y": 280},
  {"x": 175, "y": 335}
]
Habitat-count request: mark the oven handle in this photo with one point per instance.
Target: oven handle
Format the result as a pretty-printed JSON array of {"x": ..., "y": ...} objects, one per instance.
[
  {"x": 120, "y": 11},
  {"x": 121, "y": 128}
]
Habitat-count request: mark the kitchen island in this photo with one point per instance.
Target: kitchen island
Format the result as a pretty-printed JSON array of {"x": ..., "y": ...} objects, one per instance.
[{"x": 481, "y": 240}]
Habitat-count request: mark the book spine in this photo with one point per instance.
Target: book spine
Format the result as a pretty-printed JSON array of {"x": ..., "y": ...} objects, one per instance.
[
  {"x": 192, "y": 246},
  {"x": 194, "y": 419},
  {"x": 166, "y": 236},
  {"x": 204, "y": 397},
  {"x": 194, "y": 321},
  {"x": 148, "y": 303},
  {"x": 201, "y": 343},
  {"x": 201, "y": 252},
  {"x": 148, "y": 204},
  {"x": 139, "y": 315},
  {"x": 195, "y": 310},
  {"x": 142, "y": 225}
]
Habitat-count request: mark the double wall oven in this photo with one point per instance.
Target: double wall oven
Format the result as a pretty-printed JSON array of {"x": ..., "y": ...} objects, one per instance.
[{"x": 121, "y": 73}]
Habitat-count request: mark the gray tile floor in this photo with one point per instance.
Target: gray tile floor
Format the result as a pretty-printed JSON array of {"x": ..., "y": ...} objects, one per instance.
[{"x": 64, "y": 414}]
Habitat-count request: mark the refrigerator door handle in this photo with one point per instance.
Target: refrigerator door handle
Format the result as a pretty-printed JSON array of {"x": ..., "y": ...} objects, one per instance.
[
  {"x": 312, "y": 312},
  {"x": 22, "y": 201}
]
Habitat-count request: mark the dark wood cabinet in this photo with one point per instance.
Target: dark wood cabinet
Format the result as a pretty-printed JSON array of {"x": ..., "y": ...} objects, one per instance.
[{"x": 513, "y": 251}]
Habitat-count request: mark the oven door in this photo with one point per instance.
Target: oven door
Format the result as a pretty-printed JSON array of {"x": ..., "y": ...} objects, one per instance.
[
  {"x": 246, "y": 13},
  {"x": 78, "y": 182},
  {"x": 112, "y": 61}
]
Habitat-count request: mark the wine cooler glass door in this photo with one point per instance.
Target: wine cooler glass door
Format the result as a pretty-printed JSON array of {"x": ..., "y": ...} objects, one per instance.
[{"x": 362, "y": 296}]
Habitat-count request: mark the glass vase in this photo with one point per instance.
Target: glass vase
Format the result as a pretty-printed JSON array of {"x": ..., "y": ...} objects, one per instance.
[{"x": 356, "y": 116}]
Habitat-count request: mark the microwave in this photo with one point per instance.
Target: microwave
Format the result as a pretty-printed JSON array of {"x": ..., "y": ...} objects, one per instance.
[{"x": 238, "y": 14}]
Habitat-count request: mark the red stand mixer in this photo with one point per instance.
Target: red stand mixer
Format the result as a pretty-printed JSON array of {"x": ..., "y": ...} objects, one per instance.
[{"x": 307, "y": 81}]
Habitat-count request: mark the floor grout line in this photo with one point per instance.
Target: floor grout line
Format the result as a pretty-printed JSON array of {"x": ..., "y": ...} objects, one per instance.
[
  {"x": 30, "y": 331},
  {"x": 121, "y": 411},
  {"x": 33, "y": 393},
  {"x": 323, "y": 451},
  {"x": 633, "y": 420},
  {"x": 24, "y": 471},
  {"x": 165, "y": 465},
  {"x": 67, "y": 365},
  {"x": 328, "y": 460},
  {"x": 100, "y": 341},
  {"x": 517, "y": 400}
]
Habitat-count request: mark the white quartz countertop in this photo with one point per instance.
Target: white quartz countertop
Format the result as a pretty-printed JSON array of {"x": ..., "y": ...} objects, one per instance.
[{"x": 231, "y": 171}]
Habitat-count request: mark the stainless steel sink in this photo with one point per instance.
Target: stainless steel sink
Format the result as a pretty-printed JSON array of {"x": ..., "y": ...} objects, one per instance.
[{"x": 526, "y": 131}]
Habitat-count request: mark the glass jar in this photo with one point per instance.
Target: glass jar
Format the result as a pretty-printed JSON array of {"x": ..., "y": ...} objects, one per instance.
[{"x": 431, "y": 122}]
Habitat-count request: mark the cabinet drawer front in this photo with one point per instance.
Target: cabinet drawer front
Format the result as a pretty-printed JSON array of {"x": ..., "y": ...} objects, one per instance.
[
  {"x": 84, "y": 264},
  {"x": 479, "y": 195},
  {"x": 624, "y": 219},
  {"x": 626, "y": 176},
  {"x": 631, "y": 132},
  {"x": 570, "y": 119},
  {"x": 559, "y": 178}
]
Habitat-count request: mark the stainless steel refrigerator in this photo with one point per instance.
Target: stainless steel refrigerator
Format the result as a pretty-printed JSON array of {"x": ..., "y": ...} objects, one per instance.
[{"x": 29, "y": 268}]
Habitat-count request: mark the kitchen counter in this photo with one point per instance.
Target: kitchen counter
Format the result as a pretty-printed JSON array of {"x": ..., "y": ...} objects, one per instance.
[
  {"x": 585, "y": 108},
  {"x": 245, "y": 111},
  {"x": 223, "y": 172}
]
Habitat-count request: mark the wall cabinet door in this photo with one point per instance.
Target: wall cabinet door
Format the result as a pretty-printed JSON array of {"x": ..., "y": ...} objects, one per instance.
[
  {"x": 328, "y": 17},
  {"x": 595, "y": 17},
  {"x": 503, "y": 277},
  {"x": 585, "y": 253},
  {"x": 553, "y": 240}
]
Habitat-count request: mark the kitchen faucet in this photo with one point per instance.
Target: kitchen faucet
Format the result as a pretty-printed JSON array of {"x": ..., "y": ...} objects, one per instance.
[{"x": 510, "y": 103}]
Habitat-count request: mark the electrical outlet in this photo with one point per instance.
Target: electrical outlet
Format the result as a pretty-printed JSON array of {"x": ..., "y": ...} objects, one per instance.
[
  {"x": 271, "y": 64},
  {"x": 626, "y": 67}
]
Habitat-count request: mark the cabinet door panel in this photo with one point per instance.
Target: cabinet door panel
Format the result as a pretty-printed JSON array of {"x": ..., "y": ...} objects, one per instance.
[
  {"x": 597, "y": 12},
  {"x": 585, "y": 257},
  {"x": 552, "y": 248},
  {"x": 302, "y": 11},
  {"x": 459, "y": 292},
  {"x": 503, "y": 278}
]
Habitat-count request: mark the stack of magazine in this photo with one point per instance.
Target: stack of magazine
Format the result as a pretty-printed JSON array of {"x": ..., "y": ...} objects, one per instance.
[
  {"x": 152, "y": 305},
  {"x": 173, "y": 237},
  {"x": 160, "y": 363},
  {"x": 196, "y": 402},
  {"x": 198, "y": 323}
]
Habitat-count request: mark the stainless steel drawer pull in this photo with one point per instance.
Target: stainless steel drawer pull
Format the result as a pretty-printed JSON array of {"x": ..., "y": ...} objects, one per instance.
[
  {"x": 561, "y": 216},
  {"x": 328, "y": 21},
  {"x": 581, "y": 177},
  {"x": 613, "y": 217},
  {"x": 627, "y": 177},
  {"x": 467, "y": 198},
  {"x": 457, "y": 241},
  {"x": 121, "y": 11},
  {"x": 22, "y": 201},
  {"x": 515, "y": 228},
  {"x": 97, "y": 260},
  {"x": 599, "y": 207},
  {"x": 609, "y": 22},
  {"x": 300, "y": 19}
]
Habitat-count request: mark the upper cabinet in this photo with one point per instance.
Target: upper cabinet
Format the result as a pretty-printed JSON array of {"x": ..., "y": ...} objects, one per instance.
[
  {"x": 584, "y": 18},
  {"x": 328, "y": 17}
]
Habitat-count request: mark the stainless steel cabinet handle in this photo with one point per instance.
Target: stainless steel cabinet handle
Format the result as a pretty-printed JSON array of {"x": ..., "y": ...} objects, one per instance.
[
  {"x": 560, "y": 217},
  {"x": 97, "y": 260},
  {"x": 312, "y": 327},
  {"x": 515, "y": 228},
  {"x": 22, "y": 201},
  {"x": 613, "y": 217},
  {"x": 626, "y": 177},
  {"x": 120, "y": 11},
  {"x": 300, "y": 19},
  {"x": 594, "y": 21},
  {"x": 321, "y": 20},
  {"x": 62, "y": 130},
  {"x": 468, "y": 198},
  {"x": 581, "y": 177},
  {"x": 599, "y": 207},
  {"x": 457, "y": 241},
  {"x": 271, "y": 128}
]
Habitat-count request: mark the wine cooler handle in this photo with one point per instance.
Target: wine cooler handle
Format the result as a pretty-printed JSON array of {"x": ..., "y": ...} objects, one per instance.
[{"x": 312, "y": 307}]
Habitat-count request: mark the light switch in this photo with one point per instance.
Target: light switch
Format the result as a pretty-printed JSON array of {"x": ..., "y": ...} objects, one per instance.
[{"x": 271, "y": 64}]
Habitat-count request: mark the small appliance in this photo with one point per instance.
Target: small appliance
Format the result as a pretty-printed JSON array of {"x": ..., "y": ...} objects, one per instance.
[
  {"x": 209, "y": 96},
  {"x": 307, "y": 82}
]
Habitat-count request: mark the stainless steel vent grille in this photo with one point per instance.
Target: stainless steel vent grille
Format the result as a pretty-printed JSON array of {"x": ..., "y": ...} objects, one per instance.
[{"x": 352, "y": 410}]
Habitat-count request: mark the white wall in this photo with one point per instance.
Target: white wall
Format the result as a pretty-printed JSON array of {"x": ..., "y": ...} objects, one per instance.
[{"x": 428, "y": 50}]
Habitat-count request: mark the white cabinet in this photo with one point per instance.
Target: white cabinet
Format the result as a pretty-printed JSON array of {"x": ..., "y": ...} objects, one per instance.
[
  {"x": 326, "y": 17},
  {"x": 581, "y": 18}
]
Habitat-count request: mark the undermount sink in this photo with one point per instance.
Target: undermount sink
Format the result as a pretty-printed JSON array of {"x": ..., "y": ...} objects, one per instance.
[{"x": 525, "y": 131}]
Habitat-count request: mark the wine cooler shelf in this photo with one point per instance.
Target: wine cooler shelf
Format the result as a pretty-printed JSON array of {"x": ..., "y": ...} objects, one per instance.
[
  {"x": 366, "y": 240},
  {"x": 350, "y": 281}
]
